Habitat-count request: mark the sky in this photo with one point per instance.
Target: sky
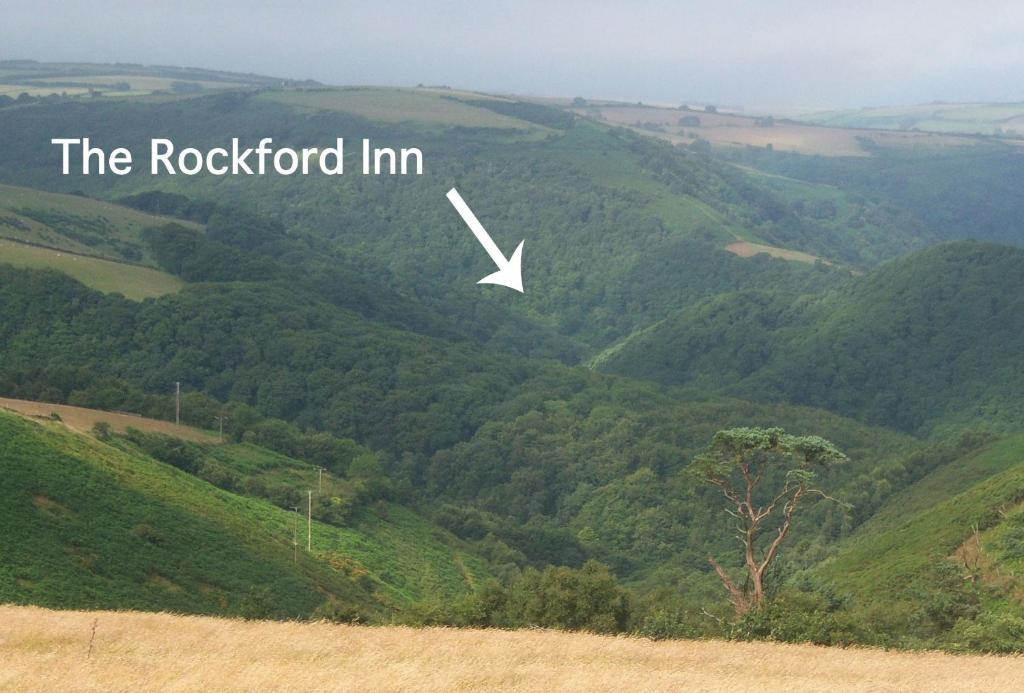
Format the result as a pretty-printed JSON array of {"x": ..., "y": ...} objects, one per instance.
[{"x": 758, "y": 55}]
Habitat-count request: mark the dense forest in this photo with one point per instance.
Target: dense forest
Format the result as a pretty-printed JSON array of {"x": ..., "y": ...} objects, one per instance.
[
  {"x": 924, "y": 341},
  {"x": 621, "y": 230}
]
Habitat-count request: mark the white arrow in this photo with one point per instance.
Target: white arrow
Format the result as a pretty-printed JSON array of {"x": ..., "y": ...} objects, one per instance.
[{"x": 509, "y": 272}]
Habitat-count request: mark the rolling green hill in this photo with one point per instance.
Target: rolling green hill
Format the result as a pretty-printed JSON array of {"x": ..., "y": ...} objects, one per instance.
[
  {"x": 532, "y": 461},
  {"x": 931, "y": 519},
  {"x": 336, "y": 322},
  {"x": 1002, "y": 119},
  {"x": 131, "y": 281},
  {"x": 936, "y": 193},
  {"x": 91, "y": 80},
  {"x": 928, "y": 340},
  {"x": 76, "y": 224},
  {"x": 944, "y": 559},
  {"x": 98, "y": 243},
  {"x": 620, "y": 229},
  {"x": 92, "y": 524}
]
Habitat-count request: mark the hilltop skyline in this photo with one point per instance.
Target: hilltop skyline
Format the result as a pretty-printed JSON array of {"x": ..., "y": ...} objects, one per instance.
[{"x": 750, "y": 54}]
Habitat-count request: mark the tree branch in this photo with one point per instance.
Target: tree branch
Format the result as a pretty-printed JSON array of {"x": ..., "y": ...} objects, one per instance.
[{"x": 736, "y": 595}]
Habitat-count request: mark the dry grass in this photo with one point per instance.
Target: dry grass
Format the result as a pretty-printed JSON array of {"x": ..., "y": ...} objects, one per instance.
[
  {"x": 399, "y": 105},
  {"x": 747, "y": 249},
  {"x": 48, "y": 650},
  {"x": 82, "y": 420}
]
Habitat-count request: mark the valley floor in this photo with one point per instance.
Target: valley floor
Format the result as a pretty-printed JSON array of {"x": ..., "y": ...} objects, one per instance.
[{"x": 51, "y": 650}]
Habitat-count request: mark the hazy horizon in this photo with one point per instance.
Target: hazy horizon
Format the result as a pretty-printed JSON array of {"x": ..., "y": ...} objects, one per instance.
[{"x": 796, "y": 55}]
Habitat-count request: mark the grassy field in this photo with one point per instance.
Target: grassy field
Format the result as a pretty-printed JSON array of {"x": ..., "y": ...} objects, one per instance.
[
  {"x": 82, "y": 420},
  {"x": 958, "y": 118},
  {"x": 64, "y": 650},
  {"x": 738, "y": 130},
  {"x": 76, "y": 79},
  {"x": 108, "y": 85},
  {"x": 15, "y": 90},
  {"x": 399, "y": 105},
  {"x": 131, "y": 281},
  {"x": 76, "y": 224}
]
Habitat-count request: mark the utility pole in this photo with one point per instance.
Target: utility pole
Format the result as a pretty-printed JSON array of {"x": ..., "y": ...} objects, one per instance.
[
  {"x": 177, "y": 403},
  {"x": 220, "y": 420},
  {"x": 309, "y": 523},
  {"x": 295, "y": 534},
  {"x": 320, "y": 480}
]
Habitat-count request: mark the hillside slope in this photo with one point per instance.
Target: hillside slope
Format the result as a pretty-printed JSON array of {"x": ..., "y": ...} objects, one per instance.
[
  {"x": 313, "y": 307},
  {"x": 98, "y": 243},
  {"x": 945, "y": 557},
  {"x": 620, "y": 229},
  {"x": 927, "y": 340},
  {"x": 77, "y": 224},
  {"x": 540, "y": 462},
  {"x": 101, "y": 524}
]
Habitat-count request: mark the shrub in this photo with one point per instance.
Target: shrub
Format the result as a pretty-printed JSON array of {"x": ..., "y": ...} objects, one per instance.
[
  {"x": 334, "y": 611},
  {"x": 796, "y": 616},
  {"x": 585, "y": 599},
  {"x": 997, "y": 633},
  {"x": 101, "y": 429},
  {"x": 258, "y": 604}
]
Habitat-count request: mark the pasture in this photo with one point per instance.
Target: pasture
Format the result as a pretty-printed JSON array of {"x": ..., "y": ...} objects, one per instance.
[
  {"x": 959, "y": 118},
  {"x": 399, "y": 105},
  {"x": 78, "y": 224},
  {"x": 131, "y": 281}
]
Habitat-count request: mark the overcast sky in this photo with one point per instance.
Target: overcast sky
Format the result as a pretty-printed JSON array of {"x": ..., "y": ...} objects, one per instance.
[{"x": 820, "y": 53}]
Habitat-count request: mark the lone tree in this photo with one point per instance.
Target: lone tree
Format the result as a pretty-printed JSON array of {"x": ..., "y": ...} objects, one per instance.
[{"x": 764, "y": 475}]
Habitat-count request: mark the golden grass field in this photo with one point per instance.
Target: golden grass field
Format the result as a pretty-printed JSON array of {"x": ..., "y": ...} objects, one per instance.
[
  {"x": 50, "y": 650},
  {"x": 398, "y": 105},
  {"x": 82, "y": 420},
  {"x": 748, "y": 249}
]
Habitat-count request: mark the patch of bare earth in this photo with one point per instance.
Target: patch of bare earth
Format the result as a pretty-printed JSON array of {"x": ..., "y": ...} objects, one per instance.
[
  {"x": 747, "y": 249},
  {"x": 82, "y": 420}
]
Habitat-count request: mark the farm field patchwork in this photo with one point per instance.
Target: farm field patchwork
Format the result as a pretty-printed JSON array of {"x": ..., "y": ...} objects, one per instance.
[
  {"x": 740, "y": 131},
  {"x": 959, "y": 118}
]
